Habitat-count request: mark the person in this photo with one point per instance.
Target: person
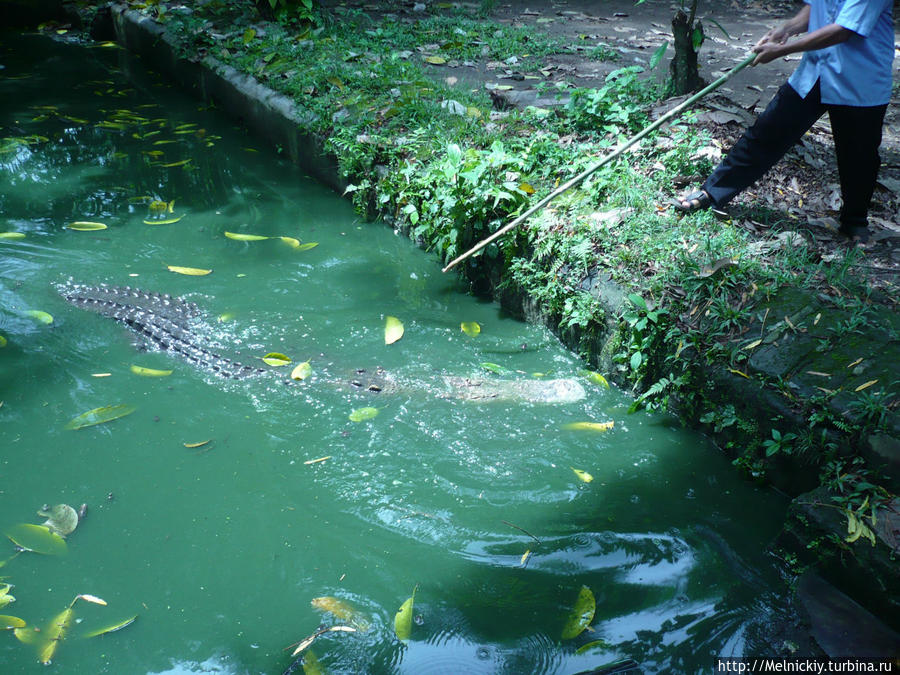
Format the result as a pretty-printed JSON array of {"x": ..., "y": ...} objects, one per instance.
[{"x": 848, "y": 51}]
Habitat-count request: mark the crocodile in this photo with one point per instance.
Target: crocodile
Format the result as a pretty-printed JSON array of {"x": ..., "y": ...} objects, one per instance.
[{"x": 169, "y": 323}]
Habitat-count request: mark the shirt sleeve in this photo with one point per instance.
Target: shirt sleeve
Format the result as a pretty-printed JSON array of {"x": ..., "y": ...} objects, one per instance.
[{"x": 860, "y": 15}]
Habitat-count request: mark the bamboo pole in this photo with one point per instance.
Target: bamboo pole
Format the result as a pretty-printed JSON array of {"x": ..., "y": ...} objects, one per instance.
[{"x": 613, "y": 155}]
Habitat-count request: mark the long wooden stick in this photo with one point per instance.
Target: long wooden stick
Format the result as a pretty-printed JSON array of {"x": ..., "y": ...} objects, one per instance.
[{"x": 613, "y": 155}]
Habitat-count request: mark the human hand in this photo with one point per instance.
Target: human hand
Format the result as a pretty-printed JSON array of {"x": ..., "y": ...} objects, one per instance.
[
  {"x": 777, "y": 36},
  {"x": 766, "y": 52}
]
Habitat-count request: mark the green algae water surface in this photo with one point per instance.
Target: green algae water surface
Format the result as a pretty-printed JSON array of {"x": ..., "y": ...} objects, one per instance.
[{"x": 207, "y": 514}]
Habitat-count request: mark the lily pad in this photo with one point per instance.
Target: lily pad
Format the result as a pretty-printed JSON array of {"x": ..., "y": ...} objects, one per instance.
[
  {"x": 61, "y": 518},
  {"x": 581, "y": 615},
  {"x": 100, "y": 416},
  {"x": 36, "y": 539}
]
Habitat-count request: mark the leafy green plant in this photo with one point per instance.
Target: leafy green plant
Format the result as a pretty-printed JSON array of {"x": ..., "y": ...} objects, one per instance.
[{"x": 779, "y": 442}]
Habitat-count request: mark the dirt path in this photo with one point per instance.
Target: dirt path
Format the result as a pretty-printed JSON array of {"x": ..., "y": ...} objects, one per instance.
[{"x": 804, "y": 185}]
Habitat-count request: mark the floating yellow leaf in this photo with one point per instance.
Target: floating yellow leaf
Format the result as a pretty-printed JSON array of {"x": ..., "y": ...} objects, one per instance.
[
  {"x": 36, "y": 538},
  {"x": 594, "y": 377},
  {"x": 302, "y": 371},
  {"x": 101, "y": 374},
  {"x": 525, "y": 557},
  {"x": 470, "y": 328},
  {"x": 162, "y": 221},
  {"x": 85, "y": 226},
  {"x": 393, "y": 330},
  {"x": 581, "y": 615},
  {"x": 181, "y": 162},
  {"x": 436, "y": 60},
  {"x": 150, "y": 372},
  {"x": 198, "y": 444},
  {"x": 3, "y": 341},
  {"x": 316, "y": 461},
  {"x": 190, "y": 271},
  {"x": 308, "y": 245},
  {"x": 589, "y": 426},
  {"x": 245, "y": 237},
  {"x": 7, "y": 622},
  {"x": 111, "y": 629},
  {"x": 226, "y": 316},
  {"x": 12, "y": 235},
  {"x": 54, "y": 633},
  {"x": 362, "y": 414},
  {"x": 339, "y": 609},
  {"x": 100, "y": 416},
  {"x": 290, "y": 241},
  {"x": 276, "y": 360},
  {"x": 91, "y": 598},
  {"x": 866, "y": 385},
  {"x": 403, "y": 619},
  {"x": 583, "y": 476},
  {"x": 37, "y": 314}
]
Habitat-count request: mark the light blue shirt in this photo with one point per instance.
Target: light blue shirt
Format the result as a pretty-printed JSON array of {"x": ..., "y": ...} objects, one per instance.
[{"x": 856, "y": 72}]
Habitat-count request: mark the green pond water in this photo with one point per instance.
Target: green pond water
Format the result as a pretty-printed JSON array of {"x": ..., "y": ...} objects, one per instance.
[{"x": 221, "y": 549}]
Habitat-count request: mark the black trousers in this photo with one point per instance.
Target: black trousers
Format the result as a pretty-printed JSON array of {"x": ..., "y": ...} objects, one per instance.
[{"x": 857, "y": 136}]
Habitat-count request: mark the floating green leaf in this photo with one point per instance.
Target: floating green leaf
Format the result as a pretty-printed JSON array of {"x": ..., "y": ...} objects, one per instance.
[
  {"x": 594, "y": 644},
  {"x": 190, "y": 271},
  {"x": 38, "y": 315},
  {"x": 150, "y": 372},
  {"x": 594, "y": 378},
  {"x": 61, "y": 518},
  {"x": 583, "y": 476},
  {"x": 302, "y": 371},
  {"x": 5, "y": 597},
  {"x": 85, "y": 226},
  {"x": 493, "y": 367},
  {"x": 7, "y": 622},
  {"x": 470, "y": 328},
  {"x": 12, "y": 235},
  {"x": 276, "y": 360},
  {"x": 403, "y": 619},
  {"x": 3, "y": 341},
  {"x": 589, "y": 426},
  {"x": 362, "y": 414},
  {"x": 245, "y": 237},
  {"x": 581, "y": 615},
  {"x": 36, "y": 539},
  {"x": 111, "y": 629},
  {"x": 100, "y": 416},
  {"x": 308, "y": 245},
  {"x": 393, "y": 330}
]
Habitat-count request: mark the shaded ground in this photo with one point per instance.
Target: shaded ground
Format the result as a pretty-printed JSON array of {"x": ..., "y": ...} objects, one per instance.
[{"x": 597, "y": 38}]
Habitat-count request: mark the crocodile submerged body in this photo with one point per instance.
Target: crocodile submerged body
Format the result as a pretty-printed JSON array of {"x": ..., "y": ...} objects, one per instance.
[{"x": 169, "y": 323}]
